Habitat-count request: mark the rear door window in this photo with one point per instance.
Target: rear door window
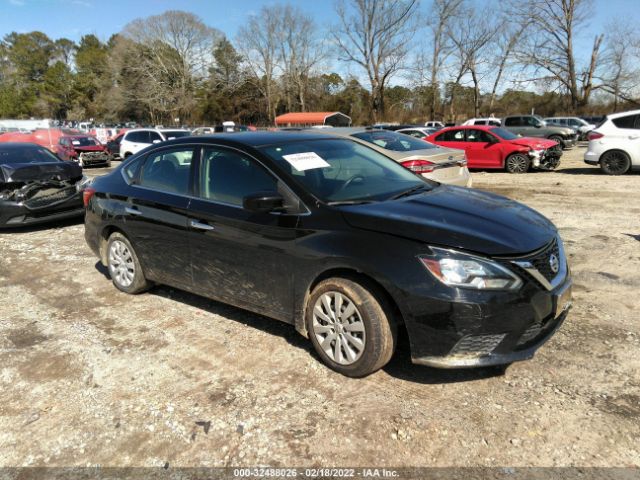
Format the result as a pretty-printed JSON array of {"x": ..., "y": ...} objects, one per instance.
[
  {"x": 628, "y": 121},
  {"x": 513, "y": 122},
  {"x": 168, "y": 171}
]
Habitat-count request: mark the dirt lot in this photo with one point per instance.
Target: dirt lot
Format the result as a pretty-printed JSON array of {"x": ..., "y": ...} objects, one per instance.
[{"x": 91, "y": 376}]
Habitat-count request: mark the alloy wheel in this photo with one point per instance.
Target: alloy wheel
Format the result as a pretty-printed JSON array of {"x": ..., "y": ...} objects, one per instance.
[
  {"x": 338, "y": 328},
  {"x": 121, "y": 265},
  {"x": 517, "y": 164},
  {"x": 615, "y": 163}
]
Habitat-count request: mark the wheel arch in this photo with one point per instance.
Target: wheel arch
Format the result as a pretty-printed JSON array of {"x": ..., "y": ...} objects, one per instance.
[
  {"x": 355, "y": 275},
  {"x": 106, "y": 232}
]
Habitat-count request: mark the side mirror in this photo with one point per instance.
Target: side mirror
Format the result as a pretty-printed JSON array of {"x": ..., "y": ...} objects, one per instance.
[
  {"x": 263, "y": 202},
  {"x": 493, "y": 139}
]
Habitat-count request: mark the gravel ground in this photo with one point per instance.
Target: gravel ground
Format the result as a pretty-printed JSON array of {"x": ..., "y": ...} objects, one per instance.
[{"x": 91, "y": 376}]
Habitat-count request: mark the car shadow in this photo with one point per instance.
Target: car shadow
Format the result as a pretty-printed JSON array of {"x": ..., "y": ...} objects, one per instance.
[
  {"x": 68, "y": 222},
  {"x": 244, "y": 317},
  {"x": 399, "y": 367}
]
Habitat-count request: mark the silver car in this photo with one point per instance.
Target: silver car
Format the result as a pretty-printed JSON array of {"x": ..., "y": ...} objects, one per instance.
[{"x": 444, "y": 165}]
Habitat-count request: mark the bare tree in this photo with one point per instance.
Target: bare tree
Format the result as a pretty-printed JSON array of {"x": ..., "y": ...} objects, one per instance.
[
  {"x": 176, "y": 49},
  {"x": 504, "y": 44},
  {"x": 259, "y": 43},
  {"x": 375, "y": 34},
  {"x": 550, "y": 46},
  {"x": 442, "y": 13},
  {"x": 300, "y": 51},
  {"x": 620, "y": 62}
]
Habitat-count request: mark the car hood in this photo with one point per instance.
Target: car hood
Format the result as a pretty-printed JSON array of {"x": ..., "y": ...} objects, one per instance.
[
  {"x": 31, "y": 172},
  {"x": 457, "y": 217},
  {"x": 535, "y": 143}
]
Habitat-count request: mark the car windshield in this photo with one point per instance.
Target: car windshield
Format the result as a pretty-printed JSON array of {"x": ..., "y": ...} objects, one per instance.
[
  {"x": 393, "y": 141},
  {"x": 84, "y": 142},
  {"x": 504, "y": 134},
  {"x": 171, "y": 134},
  {"x": 27, "y": 154},
  {"x": 341, "y": 170}
]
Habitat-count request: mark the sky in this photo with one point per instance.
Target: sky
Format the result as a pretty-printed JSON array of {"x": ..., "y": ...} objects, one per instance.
[{"x": 74, "y": 18}]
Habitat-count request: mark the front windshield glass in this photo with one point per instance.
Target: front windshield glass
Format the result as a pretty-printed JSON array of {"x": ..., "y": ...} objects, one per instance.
[
  {"x": 84, "y": 141},
  {"x": 504, "y": 134},
  {"x": 396, "y": 142},
  {"x": 341, "y": 170},
  {"x": 27, "y": 154}
]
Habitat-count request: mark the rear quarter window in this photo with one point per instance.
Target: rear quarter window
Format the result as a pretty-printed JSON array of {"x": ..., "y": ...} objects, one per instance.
[{"x": 628, "y": 121}]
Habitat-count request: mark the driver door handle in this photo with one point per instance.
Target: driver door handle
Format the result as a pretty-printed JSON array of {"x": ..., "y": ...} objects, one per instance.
[
  {"x": 132, "y": 211},
  {"x": 201, "y": 226}
]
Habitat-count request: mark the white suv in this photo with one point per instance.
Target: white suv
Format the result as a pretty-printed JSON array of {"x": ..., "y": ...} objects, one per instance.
[
  {"x": 494, "y": 122},
  {"x": 615, "y": 144},
  {"x": 135, "y": 140}
]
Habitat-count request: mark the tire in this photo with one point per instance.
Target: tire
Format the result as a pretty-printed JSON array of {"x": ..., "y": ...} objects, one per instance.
[
  {"x": 615, "y": 162},
  {"x": 558, "y": 139},
  {"x": 124, "y": 266},
  {"x": 368, "y": 336},
  {"x": 517, "y": 163}
]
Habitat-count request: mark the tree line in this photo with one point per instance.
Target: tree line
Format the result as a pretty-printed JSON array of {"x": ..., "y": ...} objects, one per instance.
[{"x": 404, "y": 60}]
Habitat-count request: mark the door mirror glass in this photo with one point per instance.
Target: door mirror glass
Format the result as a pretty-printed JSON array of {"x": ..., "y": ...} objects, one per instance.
[{"x": 263, "y": 202}]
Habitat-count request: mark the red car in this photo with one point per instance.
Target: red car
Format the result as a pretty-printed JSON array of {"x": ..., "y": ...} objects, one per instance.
[
  {"x": 495, "y": 147},
  {"x": 84, "y": 149}
]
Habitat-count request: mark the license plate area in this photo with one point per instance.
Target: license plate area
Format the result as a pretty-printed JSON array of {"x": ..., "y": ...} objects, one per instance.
[{"x": 562, "y": 301}]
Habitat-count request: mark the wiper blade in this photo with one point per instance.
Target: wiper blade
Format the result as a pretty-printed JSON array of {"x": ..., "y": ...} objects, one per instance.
[
  {"x": 406, "y": 193},
  {"x": 349, "y": 202}
]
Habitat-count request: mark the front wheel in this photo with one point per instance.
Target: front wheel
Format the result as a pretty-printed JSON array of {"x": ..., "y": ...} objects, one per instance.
[
  {"x": 615, "y": 162},
  {"x": 351, "y": 326},
  {"x": 124, "y": 266},
  {"x": 517, "y": 163}
]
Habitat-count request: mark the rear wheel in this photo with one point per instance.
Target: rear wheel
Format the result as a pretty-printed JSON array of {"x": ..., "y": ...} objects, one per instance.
[
  {"x": 124, "y": 266},
  {"x": 615, "y": 162},
  {"x": 517, "y": 163},
  {"x": 351, "y": 326}
]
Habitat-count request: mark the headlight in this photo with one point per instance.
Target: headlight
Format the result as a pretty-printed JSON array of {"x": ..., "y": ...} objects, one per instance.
[
  {"x": 83, "y": 183},
  {"x": 535, "y": 153},
  {"x": 458, "y": 269}
]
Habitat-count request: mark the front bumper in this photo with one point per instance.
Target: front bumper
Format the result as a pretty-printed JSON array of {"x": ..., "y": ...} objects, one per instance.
[
  {"x": 17, "y": 214},
  {"x": 452, "y": 327},
  {"x": 570, "y": 142}
]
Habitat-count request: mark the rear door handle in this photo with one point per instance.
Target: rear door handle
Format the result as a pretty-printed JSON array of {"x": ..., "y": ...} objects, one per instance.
[
  {"x": 633, "y": 137},
  {"x": 132, "y": 211},
  {"x": 201, "y": 226}
]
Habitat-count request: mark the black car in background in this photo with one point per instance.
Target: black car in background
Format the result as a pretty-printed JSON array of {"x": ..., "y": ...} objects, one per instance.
[
  {"x": 338, "y": 240},
  {"x": 36, "y": 186}
]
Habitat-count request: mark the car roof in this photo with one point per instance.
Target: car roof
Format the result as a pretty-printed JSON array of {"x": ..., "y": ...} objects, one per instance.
[
  {"x": 468, "y": 127},
  {"x": 18, "y": 145},
  {"x": 256, "y": 139},
  {"x": 623, "y": 114}
]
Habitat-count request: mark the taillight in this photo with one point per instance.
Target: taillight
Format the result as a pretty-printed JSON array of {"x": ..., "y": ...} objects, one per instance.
[
  {"x": 595, "y": 135},
  {"x": 418, "y": 166},
  {"x": 87, "y": 193}
]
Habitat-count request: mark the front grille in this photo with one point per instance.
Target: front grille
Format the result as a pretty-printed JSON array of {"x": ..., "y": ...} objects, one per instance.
[
  {"x": 477, "y": 344},
  {"x": 43, "y": 200},
  {"x": 541, "y": 261}
]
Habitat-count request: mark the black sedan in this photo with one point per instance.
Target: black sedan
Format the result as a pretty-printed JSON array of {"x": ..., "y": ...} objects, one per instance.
[
  {"x": 338, "y": 240},
  {"x": 36, "y": 186}
]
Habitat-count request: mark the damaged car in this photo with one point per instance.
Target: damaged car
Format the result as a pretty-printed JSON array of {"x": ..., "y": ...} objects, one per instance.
[
  {"x": 495, "y": 147},
  {"x": 36, "y": 186},
  {"x": 86, "y": 150}
]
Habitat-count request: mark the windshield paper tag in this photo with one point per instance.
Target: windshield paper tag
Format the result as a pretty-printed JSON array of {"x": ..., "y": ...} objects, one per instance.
[
  {"x": 75, "y": 142},
  {"x": 306, "y": 161}
]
